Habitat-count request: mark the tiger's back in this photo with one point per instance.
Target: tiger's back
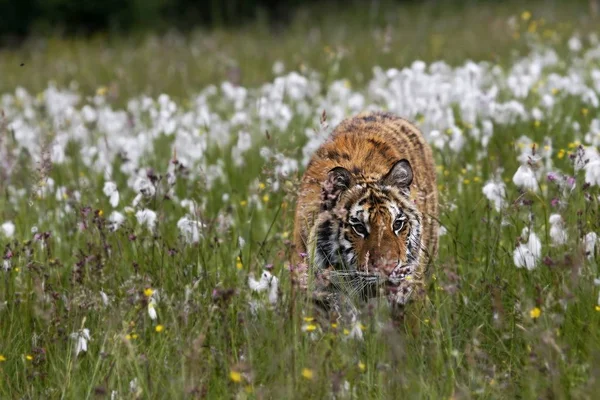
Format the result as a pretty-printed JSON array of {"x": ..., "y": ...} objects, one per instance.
[{"x": 368, "y": 146}]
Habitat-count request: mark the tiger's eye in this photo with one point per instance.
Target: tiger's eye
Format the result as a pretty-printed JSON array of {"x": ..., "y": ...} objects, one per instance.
[
  {"x": 360, "y": 229},
  {"x": 398, "y": 224}
]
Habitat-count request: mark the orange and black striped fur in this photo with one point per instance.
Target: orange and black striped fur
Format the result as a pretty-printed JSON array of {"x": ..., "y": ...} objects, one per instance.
[{"x": 368, "y": 206}]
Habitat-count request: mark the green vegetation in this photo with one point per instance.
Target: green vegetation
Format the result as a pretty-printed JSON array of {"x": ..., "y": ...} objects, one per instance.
[{"x": 488, "y": 329}]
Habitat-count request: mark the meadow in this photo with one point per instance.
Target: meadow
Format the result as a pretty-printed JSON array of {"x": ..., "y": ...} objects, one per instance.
[{"x": 147, "y": 191}]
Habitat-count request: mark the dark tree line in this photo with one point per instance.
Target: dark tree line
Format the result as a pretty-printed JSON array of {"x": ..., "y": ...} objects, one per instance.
[
  {"x": 20, "y": 18},
  {"x": 23, "y": 17}
]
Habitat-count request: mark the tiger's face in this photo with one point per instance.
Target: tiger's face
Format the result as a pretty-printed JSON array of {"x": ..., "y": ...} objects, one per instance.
[{"x": 368, "y": 232}]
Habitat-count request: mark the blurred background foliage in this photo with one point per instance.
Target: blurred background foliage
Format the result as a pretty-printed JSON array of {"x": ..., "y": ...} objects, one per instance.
[
  {"x": 19, "y": 19},
  {"x": 135, "y": 47}
]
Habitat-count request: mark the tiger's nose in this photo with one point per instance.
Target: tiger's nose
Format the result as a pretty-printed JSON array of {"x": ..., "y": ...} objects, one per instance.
[{"x": 385, "y": 265}]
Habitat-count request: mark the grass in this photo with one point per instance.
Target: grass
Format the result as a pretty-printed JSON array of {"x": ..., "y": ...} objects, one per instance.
[{"x": 488, "y": 329}]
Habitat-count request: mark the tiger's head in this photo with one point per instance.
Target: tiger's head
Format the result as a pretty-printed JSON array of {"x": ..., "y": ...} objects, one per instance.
[{"x": 368, "y": 232}]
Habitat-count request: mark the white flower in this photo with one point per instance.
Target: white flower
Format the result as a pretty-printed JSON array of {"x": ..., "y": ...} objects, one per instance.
[
  {"x": 137, "y": 199},
  {"x": 190, "y": 229},
  {"x": 146, "y": 217},
  {"x": 134, "y": 387},
  {"x": 525, "y": 178},
  {"x": 144, "y": 186},
  {"x": 356, "y": 331},
  {"x": 82, "y": 337},
  {"x": 267, "y": 281},
  {"x": 278, "y": 68},
  {"x": 557, "y": 231},
  {"x": 590, "y": 241},
  {"x": 442, "y": 231},
  {"x": 575, "y": 44},
  {"x": 115, "y": 220},
  {"x": 592, "y": 173},
  {"x": 104, "y": 297},
  {"x": 110, "y": 190},
  {"x": 244, "y": 144},
  {"x": 8, "y": 229},
  {"x": 496, "y": 193},
  {"x": 152, "y": 309},
  {"x": 89, "y": 114},
  {"x": 528, "y": 254}
]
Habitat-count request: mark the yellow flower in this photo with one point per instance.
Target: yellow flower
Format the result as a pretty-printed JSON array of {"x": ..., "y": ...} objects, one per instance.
[
  {"x": 554, "y": 91},
  {"x": 535, "y": 312},
  {"x": 309, "y": 327},
  {"x": 261, "y": 186},
  {"x": 561, "y": 154},
  {"x": 2, "y": 358},
  {"x": 128, "y": 337},
  {"x": 466, "y": 181},
  {"x": 362, "y": 366},
  {"x": 597, "y": 308},
  {"x": 334, "y": 325},
  {"x": 532, "y": 27},
  {"x": 101, "y": 91},
  {"x": 476, "y": 179},
  {"x": 159, "y": 328},
  {"x": 308, "y": 319},
  {"x": 235, "y": 376},
  {"x": 346, "y": 331},
  {"x": 307, "y": 373},
  {"x": 238, "y": 263},
  {"x": 29, "y": 357},
  {"x": 243, "y": 203},
  {"x": 134, "y": 336},
  {"x": 584, "y": 111},
  {"x": 526, "y": 15},
  {"x": 285, "y": 234},
  {"x": 100, "y": 213},
  {"x": 265, "y": 198},
  {"x": 148, "y": 292},
  {"x": 537, "y": 123}
]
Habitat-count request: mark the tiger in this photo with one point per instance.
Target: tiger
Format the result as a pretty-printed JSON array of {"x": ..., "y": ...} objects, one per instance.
[{"x": 366, "y": 217}]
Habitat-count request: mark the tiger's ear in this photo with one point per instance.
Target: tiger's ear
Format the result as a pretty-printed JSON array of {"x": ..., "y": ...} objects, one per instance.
[
  {"x": 400, "y": 176},
  {"x": 338, "y": 180}
]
